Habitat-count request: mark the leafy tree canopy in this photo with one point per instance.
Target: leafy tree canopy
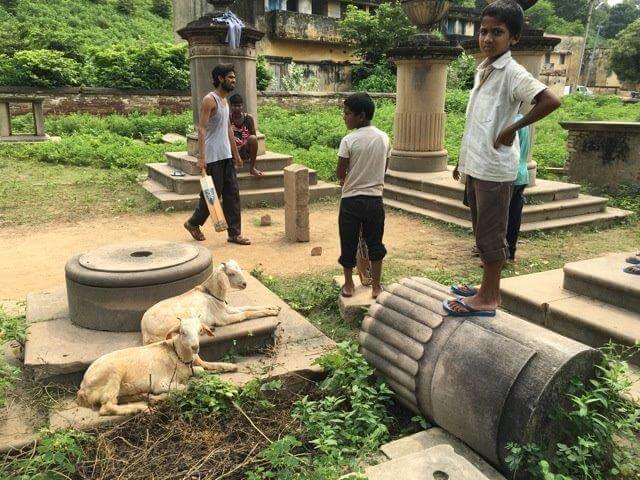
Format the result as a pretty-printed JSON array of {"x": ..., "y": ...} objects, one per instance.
[
  {"x": 545, "y": 16},
  {"x": 620, "y": 16},
  {"x": 625, "y": 53}
]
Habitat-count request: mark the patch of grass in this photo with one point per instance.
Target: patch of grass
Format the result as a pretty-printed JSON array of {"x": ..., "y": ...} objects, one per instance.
[
  {"x": 12, "y": 328},
  {"x": 9, "y": 376}
]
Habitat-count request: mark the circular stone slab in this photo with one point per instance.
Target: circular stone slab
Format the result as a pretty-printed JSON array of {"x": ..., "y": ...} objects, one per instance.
[
  {"x": 110, "y": 288},
  {"x": 138, "y": 257}
]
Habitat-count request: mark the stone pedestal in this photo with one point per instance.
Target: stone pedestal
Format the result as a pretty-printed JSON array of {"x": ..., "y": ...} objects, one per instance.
[
  {"x": 296, "y": 203},
  {"x": 208, "y": 48},
  {"x": 420, "y": 118}
]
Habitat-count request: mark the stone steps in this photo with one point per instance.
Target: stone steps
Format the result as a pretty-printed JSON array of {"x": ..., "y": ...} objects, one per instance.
[
  {"x": 443, "y": 185},
  {"x": 269, "y": 162},
  {"x": 543, "y": 219},
  {"x": 543, "y": 298},
  {"x": 162, "y": 173},
  {"x": 248, "y": 198}
]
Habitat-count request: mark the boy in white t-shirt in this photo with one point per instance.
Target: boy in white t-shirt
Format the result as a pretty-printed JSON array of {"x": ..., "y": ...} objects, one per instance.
[
  {"x": 490, "y": 153},
  {"x": 362, "y": 163}
]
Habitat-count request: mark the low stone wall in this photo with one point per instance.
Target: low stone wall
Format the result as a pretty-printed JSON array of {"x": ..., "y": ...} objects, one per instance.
[
  {"x": 104, "y": 101},
  {"x": 604, "y": 154}
]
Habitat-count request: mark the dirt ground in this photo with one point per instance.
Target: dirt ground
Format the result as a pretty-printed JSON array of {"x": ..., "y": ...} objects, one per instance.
[{"x": 33, "y": 257}]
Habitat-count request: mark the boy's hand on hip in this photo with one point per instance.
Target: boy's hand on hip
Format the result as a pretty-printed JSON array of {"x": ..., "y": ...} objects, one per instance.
[{"x": 506, "y": 138}]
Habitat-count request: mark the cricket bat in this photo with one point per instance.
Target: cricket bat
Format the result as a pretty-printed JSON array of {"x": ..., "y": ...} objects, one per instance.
[{"x": 213, "y": 203}]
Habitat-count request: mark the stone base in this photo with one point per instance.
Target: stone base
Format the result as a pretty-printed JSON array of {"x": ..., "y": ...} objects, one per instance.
[
  {"x": 592, "y": 316},
  {"x": 192, "y": 144},
  {"x": 58, "y": 350},
  {"x": 29, "y": 139},
  {"x": 354, "y": 308},
  {"x": 404, "y": 161}
]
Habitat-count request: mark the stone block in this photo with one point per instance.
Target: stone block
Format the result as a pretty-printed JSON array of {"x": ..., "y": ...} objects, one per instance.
[
  {"x": 38, "y": 118},
  {"x": 440, "y": 462},
  {"x": 296, "y": 223},
  {"x": 296, "y": 185},
  {"x": 354, "y": 308},
  {"x": 47, "y": 305},
  {"x": 432, "y": 438},
  {"x": 5, "y": 120}
]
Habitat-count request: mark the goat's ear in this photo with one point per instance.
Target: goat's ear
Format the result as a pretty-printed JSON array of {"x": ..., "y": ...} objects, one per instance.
[
  {"x": 170, "y": 333},
  {"x": 205, "y": 330}
]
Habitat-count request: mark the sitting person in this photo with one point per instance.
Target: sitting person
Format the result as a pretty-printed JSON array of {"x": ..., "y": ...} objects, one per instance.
[{"x": 244, "y": 130}]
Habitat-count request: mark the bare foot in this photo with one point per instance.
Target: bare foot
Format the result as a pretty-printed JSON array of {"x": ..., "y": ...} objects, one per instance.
[
  {"x": 347, "y": 290},
  {"x": 255, "y": 172},
  {"x": 375, "y": 291},
  {"x": 476, "y": 303}
]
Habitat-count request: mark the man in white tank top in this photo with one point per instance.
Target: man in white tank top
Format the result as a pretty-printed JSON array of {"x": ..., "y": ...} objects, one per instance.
[{"x": 218, "y": 156}]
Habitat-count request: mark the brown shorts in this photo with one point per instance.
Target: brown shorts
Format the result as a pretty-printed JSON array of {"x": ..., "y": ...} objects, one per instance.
[{"x": 489, "y": 204}]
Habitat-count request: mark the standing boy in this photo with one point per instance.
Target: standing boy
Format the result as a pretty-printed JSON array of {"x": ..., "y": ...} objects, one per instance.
[
  {"x": 489, "y": 154},
  {"x": 218, "y": 156},
  {"x": 244, "y": 130},
  {"x": 362, "y": 163}
]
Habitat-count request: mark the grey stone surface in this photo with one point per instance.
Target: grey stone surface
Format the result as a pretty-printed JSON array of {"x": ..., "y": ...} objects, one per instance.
[
  {"x": 353, "y": 308},
  {"x": 439, "y": 462},
  {"x": 489, "y": 381},
  {"x": 433, "y": 437},
  {"x": 110, "y": 288},
  {"x": 46, "y": 305}
]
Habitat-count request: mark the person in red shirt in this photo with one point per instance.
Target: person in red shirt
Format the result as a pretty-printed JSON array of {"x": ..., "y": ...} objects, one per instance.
[{"x": 244, "y": 130}]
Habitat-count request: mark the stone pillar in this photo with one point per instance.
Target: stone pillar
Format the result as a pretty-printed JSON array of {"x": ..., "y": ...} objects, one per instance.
[
  {"x": 38, "y": 118},
  {"x": 5, "y": 119},
  {"x": 296, "y": 203},
  {"x": 487, "y": 381},
  {"x": 420, "y": 118},
  {"x": 208, "y": 48}
]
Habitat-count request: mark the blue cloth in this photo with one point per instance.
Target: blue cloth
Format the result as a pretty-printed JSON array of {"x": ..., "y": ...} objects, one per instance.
[
  {"x": 525, "y": 146},
  {"x": 234, "y": 32}
]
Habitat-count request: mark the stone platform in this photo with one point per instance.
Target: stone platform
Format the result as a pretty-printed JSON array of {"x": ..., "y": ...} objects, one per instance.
[
  {"x": 592, "y": 301},
  {"x": 56, "y": 349},
  {"x": 298, "y": 345},
  {"x": 181, "y": 192},
  {"x": 550, "y": 205}
]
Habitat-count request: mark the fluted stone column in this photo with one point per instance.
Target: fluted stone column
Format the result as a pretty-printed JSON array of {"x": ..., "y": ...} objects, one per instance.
[
  {"x": 420, "y": 117},
  {"x": 488, "y": 381},
  {"x": 208, "y": 48}
]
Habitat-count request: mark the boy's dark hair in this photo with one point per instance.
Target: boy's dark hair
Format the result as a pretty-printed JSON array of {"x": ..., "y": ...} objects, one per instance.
[
  {"x": 221, "y": 70},
  {"x": 361, "y": 103},
  {"x": 236, "y": 99},
  {"x": 508, "y": 12}
]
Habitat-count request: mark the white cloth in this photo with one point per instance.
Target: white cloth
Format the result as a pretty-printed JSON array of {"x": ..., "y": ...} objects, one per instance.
[
  {"x": 493, "y": 107},
  {"x": 234, "y": 31},
  {"x": 367, "y": 149}
]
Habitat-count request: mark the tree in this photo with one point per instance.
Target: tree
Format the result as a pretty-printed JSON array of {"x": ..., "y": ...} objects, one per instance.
[
  {"x": 162, "y": 8},
  {"x": 374, "y": 35},
  {"x": 543, "y": 15},
  {"x": 620, "y": 16},
  {"x": 571, "y": 10},
  {"x": 263, "y": 74},
  {"x": 126, "y": 7},
  {"x": 625, "y": 53}
]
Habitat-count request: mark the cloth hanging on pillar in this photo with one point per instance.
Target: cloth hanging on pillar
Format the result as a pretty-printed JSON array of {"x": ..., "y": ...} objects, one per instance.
[{"x": 234, "y": 30}]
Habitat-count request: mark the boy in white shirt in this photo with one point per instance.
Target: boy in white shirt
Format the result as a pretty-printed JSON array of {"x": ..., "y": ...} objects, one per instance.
[
  {"x": 362, "y": 163},
  {"x": 489, "y": 153}
]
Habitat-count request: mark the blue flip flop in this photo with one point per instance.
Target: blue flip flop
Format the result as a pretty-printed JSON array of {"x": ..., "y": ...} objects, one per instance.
[
  {"x": 465, "y": 291},
  {"x": 633, "y": 270},
  {"x": 633, "y": 260},
  {"x": 471, "y": 312}
]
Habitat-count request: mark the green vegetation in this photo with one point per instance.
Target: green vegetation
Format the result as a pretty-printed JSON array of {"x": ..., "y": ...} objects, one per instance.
[
  {"x": 204, "y": 395},
  {"x": 625, "y": 53},
  {"x": 13, "y": 330},
  {"x": 599, "y": 438}
]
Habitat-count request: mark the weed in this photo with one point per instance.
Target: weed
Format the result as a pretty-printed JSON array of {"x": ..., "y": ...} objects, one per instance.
[
  {"x": 12, "y": 329},
  {"x": 204, "y": 395},
  {"x": 55, "y": 457},
  {"x": 9, "y": 376},
  {"x": 598, "y": 439}
]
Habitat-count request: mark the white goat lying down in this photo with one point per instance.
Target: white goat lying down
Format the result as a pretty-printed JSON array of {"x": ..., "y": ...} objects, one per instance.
[
  {"x": 147, "y": 372},
  {"x": 208, "y": 301}
]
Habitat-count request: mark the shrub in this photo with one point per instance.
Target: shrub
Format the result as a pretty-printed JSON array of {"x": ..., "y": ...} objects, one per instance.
[
  {"x": 126, "y": 7},
  {"x": 299, "y": 79},
  {"x": 461, "y": 72},
  {"x": 599, "y": 438},
  {"x": 204, "y": 395},
  {"x": 379, "y": 78},
  {"x": 39, "y": 68},
  {"x": 151, "y": 66},
  {"x": 263, "y": 74},
  {"x": 162, "y": 8},
  {"x": 12, "y": 329}
]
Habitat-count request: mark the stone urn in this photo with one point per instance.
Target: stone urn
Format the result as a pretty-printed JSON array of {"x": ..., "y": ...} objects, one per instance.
[{"x": 425, "y": 13}]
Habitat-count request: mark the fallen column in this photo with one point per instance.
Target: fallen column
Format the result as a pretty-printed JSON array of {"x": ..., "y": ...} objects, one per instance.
[{"x": 487, "y": 381}]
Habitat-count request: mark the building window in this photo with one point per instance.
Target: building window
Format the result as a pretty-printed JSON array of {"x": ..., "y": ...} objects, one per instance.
[
  {"x": 563, "y": 58},
  {"x": 320, "y": 7},
  {"x": 547, "y": 58},
  {"x": 451, "y": 26},
  {"x": 292, "y": 5}
]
